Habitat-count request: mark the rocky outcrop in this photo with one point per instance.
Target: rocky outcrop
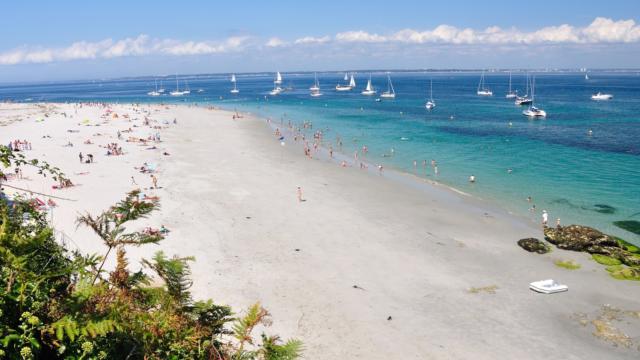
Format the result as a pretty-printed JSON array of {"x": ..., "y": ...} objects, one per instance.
[
  {"x": 534, "y": 245},
  {"x": 584, "y": 238}
]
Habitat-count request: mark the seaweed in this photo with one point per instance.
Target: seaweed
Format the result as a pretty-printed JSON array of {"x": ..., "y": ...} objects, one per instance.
[
  {"x": 567, "y": 264},
  {"x": 604, "y": 209},
  {"x": 632, "y": 226},
  {"x": 605, "y": 260}
]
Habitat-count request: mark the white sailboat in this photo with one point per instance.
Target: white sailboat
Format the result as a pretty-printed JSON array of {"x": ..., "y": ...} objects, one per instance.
[
  {"x": 482, "y": 89},
  {"x": 154, "y": 92},
  {"x": 601, "y": 96},
  {"x": 586, "y": 75},
  {"x": 390, "y": 93},
  {"x": 277, "y": 90},
  {"x": 161, "y": 89},
  {"x": 177, "y": 91},
  {"x": 235, "y": 87},
  {"x": 431, "y": 104},
  {"x": 278, "y": 80},
  {"x": 511, "y": 94},
  {"x": 524, "y": 100},
  {"x": 369, "y": 90},
  {"x": 533, "y": 111},
  {"x": 316, "y": 85},
  {"x": 346, "y": 87}
]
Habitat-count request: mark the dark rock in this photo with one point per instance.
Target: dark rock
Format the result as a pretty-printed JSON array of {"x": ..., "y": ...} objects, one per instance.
[
  {"x": 534, "y": 245},
  {"x": 584, "y": 238},
  {"x": 578, "y": 238}
]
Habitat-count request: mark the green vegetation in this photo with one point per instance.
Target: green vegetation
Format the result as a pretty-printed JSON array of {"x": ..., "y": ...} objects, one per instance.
[
  {"x": 627, "y": 245},
  {"x": 632, "y": 226},
  {"x": 567, "y": 264},
  {"x": 622, "y": 272},
  {"x": 605, "y": 260},
  {"x": 55, "y": 304}
]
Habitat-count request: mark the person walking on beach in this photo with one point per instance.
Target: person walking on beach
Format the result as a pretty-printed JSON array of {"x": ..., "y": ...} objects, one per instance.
[
  {"x": 300, "y": 194},
  {"x": 331, "y": 151},
  {"x": 133, "y": 181},
  {"x": 545, "y": 218},
  {"x": 154, "y": 180},
  {"x": 81, "y": 157}
]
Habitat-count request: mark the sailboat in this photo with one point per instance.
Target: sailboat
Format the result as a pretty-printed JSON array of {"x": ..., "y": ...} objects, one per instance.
[
  {"x": 278, "y": 80},
  {"x": 524, "y": 100},
  {"x": 346, "y": 87},
  {"x": 186, "y": 90},
  {"x": 586, "y": 75},
  {"x": 316, "y": 85},
  {"x": 177, "y": 91},
  {"x": 601, "y": 96},
  {"x": 482, "y": 89},
  {"x": 390, "y": 93},
  {"x": 533, "y": 111},
  {"x": 277, "y": 90},
  {"x": 161, "y": 90},
  {"x": 430, "y": 105},
  {"x": 154, "y": 92},
  {"x": 511, "y": 94},
  {"x": 235, "y": 88},
  {"x": 369, "y": 90}
]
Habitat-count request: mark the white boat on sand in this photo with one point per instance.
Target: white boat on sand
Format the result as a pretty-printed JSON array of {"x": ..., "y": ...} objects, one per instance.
[{"x": 548, "y": 286}]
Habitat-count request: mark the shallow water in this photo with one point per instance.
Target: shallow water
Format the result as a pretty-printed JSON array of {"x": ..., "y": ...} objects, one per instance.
[{"x": 580, "y": 178}]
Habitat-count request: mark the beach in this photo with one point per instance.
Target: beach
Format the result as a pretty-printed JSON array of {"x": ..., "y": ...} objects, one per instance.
[{"x": 368, "y": 266}]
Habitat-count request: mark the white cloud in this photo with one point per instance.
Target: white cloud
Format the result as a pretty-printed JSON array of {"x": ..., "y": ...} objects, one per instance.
[
  {"x": 107, "y": 49},
  {"x": 600, "y": 31},
  {"x": 312, "y": 40},
  {"x": 275, "y": 42}
]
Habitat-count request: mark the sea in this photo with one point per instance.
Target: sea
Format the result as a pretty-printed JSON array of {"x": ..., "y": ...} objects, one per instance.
[{"x": 581, "y": 163}]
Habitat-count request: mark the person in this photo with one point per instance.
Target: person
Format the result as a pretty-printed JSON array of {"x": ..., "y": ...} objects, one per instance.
[
  {"x": 435, "y": 169},
  {"x": 380, "y": 169},
  {"x": 133, "y": 181},
  {"x": 545, "y": 218},
  {"x": 81, "y": 157},
  {"x": 529, "y": 199},
  {"x": 558, "y": 222},
  {"x": 331, "y": 152},
  {"x": 472, "y": 179},
  {"x": 90, "y": 156},
  {"x": 299, "y": 194},
  {"x": 163, "y": 230},
  {"x": 154, "y": 180}
]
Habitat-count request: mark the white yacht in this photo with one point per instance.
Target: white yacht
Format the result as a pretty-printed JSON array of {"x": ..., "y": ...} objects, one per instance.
[
  {"x": 177, "y": 91},
  {"x": 347, "y": 87},
  {"x": 277, "y": 90},
  {"x": 511, "y": 94},
  {"x": 235, "y": 87},
  {"x": 316, "y": 85},
  {"x": 431, "y": 104},
  {"x": 601, "y": 96},
  {"x": 390, "y": 93},
  {"x": 533, "y": 111},
  {"x": 161, "y": 89},
  {"x": 154, "y": 92},
  {"x": 369, "y": 90},
  {"x": 278, "y": 80},
  {"x": 482, "y": 89},
  {"x": 525, "y": 99}
]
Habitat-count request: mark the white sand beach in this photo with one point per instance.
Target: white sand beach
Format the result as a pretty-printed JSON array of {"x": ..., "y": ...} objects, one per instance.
[{"x": 369, "y": 266}]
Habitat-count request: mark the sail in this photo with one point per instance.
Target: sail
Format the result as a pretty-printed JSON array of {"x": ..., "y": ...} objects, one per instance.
[
  {"x": 390, "y": 89},
  {"x": 278, "y": 78},
  {"x": 368, "y": 85},
  {"x": 346, "y": 77},
  {"x": 233, "y": 78},
  {"x": 352, "y": 82}
]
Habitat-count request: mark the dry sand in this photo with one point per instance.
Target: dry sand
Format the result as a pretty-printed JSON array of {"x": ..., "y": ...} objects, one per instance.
[{"x": 368, "y": 267}]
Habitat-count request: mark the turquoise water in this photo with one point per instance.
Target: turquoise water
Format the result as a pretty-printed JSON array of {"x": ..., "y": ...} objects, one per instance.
[{"x": 554, "y": 160}]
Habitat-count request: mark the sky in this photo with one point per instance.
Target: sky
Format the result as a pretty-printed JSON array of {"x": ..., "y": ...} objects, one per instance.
[{"x": 65, "y": 40}]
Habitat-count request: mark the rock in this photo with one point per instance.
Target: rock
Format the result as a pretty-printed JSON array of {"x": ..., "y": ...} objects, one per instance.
[
  {"x": 534, "y": 245},
  {"x": 584, "y": 238},
  {"x": 579, "y": 238}
]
